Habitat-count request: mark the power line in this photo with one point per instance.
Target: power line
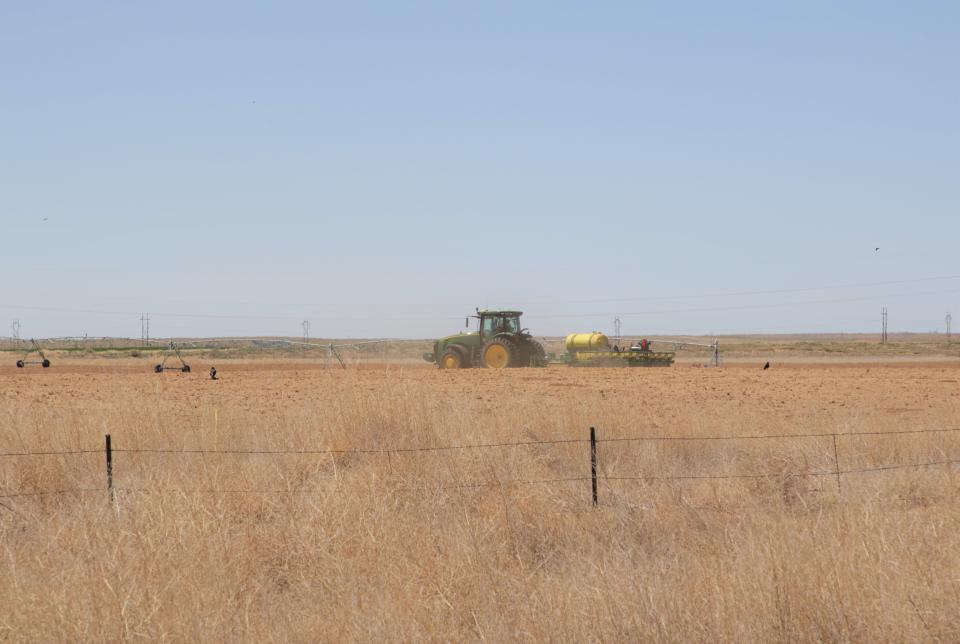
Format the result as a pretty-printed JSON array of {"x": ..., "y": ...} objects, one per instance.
[
  {"x": 229, "y": 316},
  {"x": 747, "y": 307},
  {"x": 752, "y": 307},
  {"x": 750, "y": 292}
]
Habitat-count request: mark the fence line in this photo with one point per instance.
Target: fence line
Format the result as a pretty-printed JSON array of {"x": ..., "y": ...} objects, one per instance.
[
  {"x": 386, "y": 450},
  {"x": 53, "y": 453},
  {"x": 439, "y": 448},
  {"x": 776, "y": 436},
  {"x": 593, "y": 478}
]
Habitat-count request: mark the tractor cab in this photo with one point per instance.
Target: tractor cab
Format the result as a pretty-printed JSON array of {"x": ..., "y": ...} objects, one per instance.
[{"x": 494, "y": 323}]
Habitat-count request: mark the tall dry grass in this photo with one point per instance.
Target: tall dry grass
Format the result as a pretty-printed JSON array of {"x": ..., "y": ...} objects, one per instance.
[{"x": 280, "y": 547}]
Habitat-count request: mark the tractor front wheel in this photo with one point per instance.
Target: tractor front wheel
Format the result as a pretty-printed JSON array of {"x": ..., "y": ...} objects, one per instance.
[
  {"x": 452, "y": 358},
  {"x": 500, "y": 353}
]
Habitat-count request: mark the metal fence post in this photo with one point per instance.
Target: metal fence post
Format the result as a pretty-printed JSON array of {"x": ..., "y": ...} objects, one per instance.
[
  {"x": 593, "y": 463},
  {"x": 836, "y": 461},
  {"x": 109, "y": 451}
]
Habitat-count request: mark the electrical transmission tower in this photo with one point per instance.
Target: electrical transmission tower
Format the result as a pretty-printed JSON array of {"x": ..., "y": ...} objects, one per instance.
[
  {"x": 883, "y": 318},
  {"x": 306, "y": 330},
  {"x": 948, "y": 320},
  {"x": 15, "y": 329},
  {"x": 144, "y": 328}
]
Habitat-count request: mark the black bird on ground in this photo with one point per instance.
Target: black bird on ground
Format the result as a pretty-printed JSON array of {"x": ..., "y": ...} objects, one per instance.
[
  {"x": 213, "y": 373},
  {"x": 766, "y": 366}
]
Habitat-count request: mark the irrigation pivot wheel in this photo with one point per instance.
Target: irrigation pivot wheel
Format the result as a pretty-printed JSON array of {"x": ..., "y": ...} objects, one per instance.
[
  {"x": 499, "y": 353},
  {"x": 20, "y": 364}
]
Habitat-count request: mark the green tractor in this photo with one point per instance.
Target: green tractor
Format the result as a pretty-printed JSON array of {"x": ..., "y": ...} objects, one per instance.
[{"x": 499, "y": 343}]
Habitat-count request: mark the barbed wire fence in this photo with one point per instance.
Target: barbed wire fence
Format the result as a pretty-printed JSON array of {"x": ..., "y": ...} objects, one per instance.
[{"x": 593, "y": 467}]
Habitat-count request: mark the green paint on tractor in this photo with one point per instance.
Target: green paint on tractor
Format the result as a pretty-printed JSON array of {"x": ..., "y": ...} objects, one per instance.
[{"x": 500, "y": 342}]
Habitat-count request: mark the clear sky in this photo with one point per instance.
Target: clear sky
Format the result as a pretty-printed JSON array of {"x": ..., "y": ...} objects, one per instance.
[{"x": 381, "y": 169}]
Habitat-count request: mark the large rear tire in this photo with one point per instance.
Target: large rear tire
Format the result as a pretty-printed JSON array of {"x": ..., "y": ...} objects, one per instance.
[
  {"x": 536, "y": 354},
  {"x": 453, "y": 358},
  {"x": 500, "y": 353}
]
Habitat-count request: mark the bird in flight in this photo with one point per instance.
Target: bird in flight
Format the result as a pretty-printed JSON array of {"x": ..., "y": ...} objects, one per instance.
[
  {"x": 44, "y": 218},
  {"x": 876, "y": 249}
]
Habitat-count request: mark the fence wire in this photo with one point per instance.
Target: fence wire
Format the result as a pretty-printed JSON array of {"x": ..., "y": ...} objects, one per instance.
[{"x": 837, "y": 471}]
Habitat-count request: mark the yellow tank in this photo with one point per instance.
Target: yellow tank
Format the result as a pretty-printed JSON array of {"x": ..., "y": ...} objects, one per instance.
[{"x": 587, "y": 342}]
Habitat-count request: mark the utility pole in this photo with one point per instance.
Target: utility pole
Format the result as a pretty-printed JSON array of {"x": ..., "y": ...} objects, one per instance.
[
  {"x": 883, "y": 333},
  {"x": 306, "y": 330},
  {"x": 144, "y": 328},
  {"x": 15, "y": 330},
  {"x": 948, "y": 319}
]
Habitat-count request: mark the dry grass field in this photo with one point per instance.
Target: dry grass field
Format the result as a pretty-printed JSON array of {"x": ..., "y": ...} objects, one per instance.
[{"x": 231, "y": 519}]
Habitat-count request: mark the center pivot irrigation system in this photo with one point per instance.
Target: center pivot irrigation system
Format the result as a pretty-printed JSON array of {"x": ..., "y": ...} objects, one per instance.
[
  {"x": 332, "y": 349},
  {"x": 35, "y": 348},
  {"x": 174, "y": 350}
]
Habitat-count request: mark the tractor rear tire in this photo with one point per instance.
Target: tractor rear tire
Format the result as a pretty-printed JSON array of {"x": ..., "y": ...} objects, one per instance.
[
  {"x": 453, "y": 358},
  {"x": 19, "y": 364},
  {"x": 500, "y": 353},
  {"x": 536, "y": 354}
]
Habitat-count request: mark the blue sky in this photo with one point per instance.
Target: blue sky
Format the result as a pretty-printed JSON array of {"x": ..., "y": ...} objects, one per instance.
[{"x": 381, "y": 169}]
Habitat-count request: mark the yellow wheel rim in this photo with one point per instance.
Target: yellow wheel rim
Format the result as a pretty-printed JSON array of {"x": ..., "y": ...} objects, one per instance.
[
  {"x": 496, "y": 356},
  {"x": 450, "y": 362}
]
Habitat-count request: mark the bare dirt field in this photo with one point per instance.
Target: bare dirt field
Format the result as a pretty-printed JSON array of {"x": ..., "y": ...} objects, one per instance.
[{"x": 291, "y": 501}]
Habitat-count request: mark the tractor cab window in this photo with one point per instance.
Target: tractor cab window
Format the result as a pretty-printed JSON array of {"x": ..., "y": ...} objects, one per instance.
[
  {"x": 489, "y": 326},
  {"x": 500, "y": 324}
]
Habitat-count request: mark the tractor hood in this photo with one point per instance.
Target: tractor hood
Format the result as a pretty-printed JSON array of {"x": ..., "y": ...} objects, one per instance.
[{"x": 457, "y": 336}]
